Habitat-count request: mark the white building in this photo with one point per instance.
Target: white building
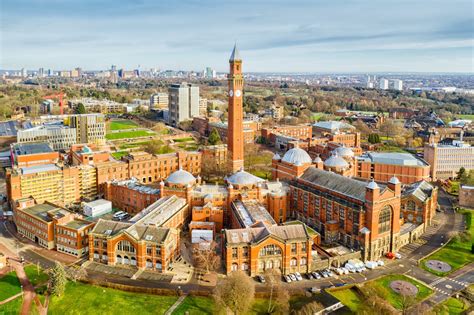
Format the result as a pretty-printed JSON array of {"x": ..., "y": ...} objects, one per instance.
[
  {"x": 397, "y": 84},
  {"x": 97, "y": 207},
  {"x": 159, "y": 101},
  {"x": 446, "y": 160},
  {"x": 383, "y": 84},
  {"x": 183, "y": 102},
  {"x": 58, "y": 136}
]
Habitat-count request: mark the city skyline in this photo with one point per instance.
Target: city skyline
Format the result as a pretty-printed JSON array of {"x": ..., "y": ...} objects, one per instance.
[{"x": 349, "y": 36}]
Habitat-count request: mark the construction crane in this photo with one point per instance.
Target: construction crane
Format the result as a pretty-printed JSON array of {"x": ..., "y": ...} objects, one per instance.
[{"x": 59, "y": 96}]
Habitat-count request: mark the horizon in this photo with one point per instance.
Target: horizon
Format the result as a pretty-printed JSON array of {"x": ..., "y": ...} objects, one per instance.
[{"x": 348, "y": 37}]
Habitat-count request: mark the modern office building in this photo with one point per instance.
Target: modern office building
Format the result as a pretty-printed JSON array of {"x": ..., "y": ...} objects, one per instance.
[
  {"x": 59, "y": 136},
  {"x": 397, "y": 85},
  {"x": 31, "y": 154},
  {"x": 383, "y": 84},
  {"x": 446, "y": 160},
  {"x": 159, "y": 101},
  {"x": 183, "y": 102}
]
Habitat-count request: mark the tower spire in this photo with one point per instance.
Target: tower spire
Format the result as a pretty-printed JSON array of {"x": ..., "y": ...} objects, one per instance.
[{"x": 235, "y": 54}]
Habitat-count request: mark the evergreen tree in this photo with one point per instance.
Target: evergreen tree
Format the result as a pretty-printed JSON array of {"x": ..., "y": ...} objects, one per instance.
[
  {"x": 214, "y": 137},
  {"x": 57, "y": 280},
  {"x": 81, "y": 109},
  {"x": 462, "y": 175}
]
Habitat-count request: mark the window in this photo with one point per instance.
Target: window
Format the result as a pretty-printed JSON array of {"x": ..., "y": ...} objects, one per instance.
[
  {"x": 245, "y": 251},
  {"x": 411, "y": 205},
  {"x": 125, "y": 246},
  {"x": 293, "y": 262},
  {"x": 235, "y": 267},
  {"x": 385, "y": 219},
  {"x": 303, "y": 261},
  {"x": 293, "y": 248},
  {"x": 270, "y": 250},
  {"x": 303, "y": 247},
  {"x": 234, "y": 252}
]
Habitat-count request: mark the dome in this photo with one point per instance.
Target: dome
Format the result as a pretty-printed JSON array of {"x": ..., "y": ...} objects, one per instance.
[
  {"x": 276, "y": 157},
  {"x": 243, "y": 178},
  {"x": 317, "y": 159},
  {"x": 336, "y": 161},
  {"x": 296, "y": 155},
  {"x": 394, "y": 180},
  {"x": 181, "y": 177},
  {"x": 344, "y": 152},
  {"x": 372, "y": 185}
]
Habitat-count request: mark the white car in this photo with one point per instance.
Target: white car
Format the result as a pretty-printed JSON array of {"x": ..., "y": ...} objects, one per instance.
[
  {"x": 298, "y": 276},
  {"x": 380, "y": 263},
  {"x": 398, "y": 256},
  {"x": 339, "y": 271},
  {"x": 345, "y": 270},
  {"x": 292, "y": 277},
  {"x": 287, "y": 278}
]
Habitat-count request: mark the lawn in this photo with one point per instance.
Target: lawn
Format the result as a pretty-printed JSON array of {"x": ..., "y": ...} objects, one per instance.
[
  {"x": 12, "y": 308},
  {"x": 451, "y": 306},
  {"x": 349, "y": 297},
  {"x": 133, "y": 145},
  {"x": 9, "y": 285},
  {"x": 390, "y": 148},
  {"x": 262, "y": 174},
  {"x": 129, "y": 134},
  {"x": 122, "y": 124},
  {"x": 383, "y": 285},
  {"x": 118, "y": 155},
  {"x": 188, "y": 146},
  {"x": 35, "y": 275},
  {"x": 466, "y": 116},
  {"x": 195, "y": 305},
  {"x": 82, "y": 298},
  {"x": 457, "y": 252},
  {"x": 187, "y": 139}
]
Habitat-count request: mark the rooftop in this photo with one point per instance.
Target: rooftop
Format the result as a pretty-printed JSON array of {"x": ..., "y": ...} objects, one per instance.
[
  {"x": 76, "y": 224},
  {"x": 31, "y": 148},
  {"x": 160, "y": 211},
  {"x": 392, "y": 158},
  {"x": 39, "y": 168},
  {"x": 421, "y": 190},
  {"x": 8, "y": 128},
  {"x": 40, "y": 211},
  {"x": 333, "y": 125},
  {"x": 257, "y": 234},
  {"x": 251, "y": 212},
  {"x": 135, "y": 185},
  {"x": 98, "y": 202}
]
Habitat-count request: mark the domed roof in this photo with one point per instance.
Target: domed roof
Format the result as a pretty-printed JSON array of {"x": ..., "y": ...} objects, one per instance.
[
  {"x": 317, "y": 159},
  {"x": 372, "y": 185},
  {"x": 276, "y": 156},
  {"x": 344, "y": 152},
  {"x": 296, "y": 155},
  {"x": 336, "y": 161},
  {"x": 394, "y": 180},
  {"x": 181, "y": 177},
  {"x": 243, "y": 178}
]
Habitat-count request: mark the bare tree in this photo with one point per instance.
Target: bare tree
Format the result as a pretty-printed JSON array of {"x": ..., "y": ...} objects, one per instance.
[
  {"x": 235, "y": 294},
  {"x": 406, "y": 302},
  {"x": 309, "y": 309},
  {"x": 279, "y": 296},
  {"x": 206, "y": 257}
]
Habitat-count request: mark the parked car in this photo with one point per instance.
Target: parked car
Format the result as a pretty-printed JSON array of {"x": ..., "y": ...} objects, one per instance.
[
  {"x": 339, "y": 271},
  {"x": 390, "y": 255},
  {"x": 118, "y": 214},
  {"x": 309, "y": 276},
  {"x": 316, "y": 275},
  {"x": 330, "y": 273},
  {"x": 287, "y": 279},
  {"x": 371, "y": 264},
  {"x": 398, "y": 256},
  {"x": 298, "y": 276},
  {"x": 292, "y": 277},
  {"x": 380, "y": 263},
  {"x": 325, "y": 274},
  {"x": 315, "y": 290},
  {"x": 261, "y": 279},
  {"x": 345, "y": 270},
  {"x": 340, "y": 284}
]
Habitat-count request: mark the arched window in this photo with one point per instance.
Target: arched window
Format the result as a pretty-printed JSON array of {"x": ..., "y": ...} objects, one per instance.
[
  {"x": 385, "y": 219},
  {"x": 125, "y": 246},
  {"x": 293, "y": 262},
  {"x": 270, "y": 250},
  {"x": 245, "y": 266},
  {"x": 303, "y": 261},
  {"x": 411, "y": 205},
  {"x": 235, "y": 267}
]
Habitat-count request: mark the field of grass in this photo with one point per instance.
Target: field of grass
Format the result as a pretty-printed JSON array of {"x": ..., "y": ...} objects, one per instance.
[
  {"x": 129, "y": 134},
  {"x": 470, "y": 117},
  {"x": 122, "y": 124},
  {"x": 9, "y": 285},
  {"x": 451, "y": 306},
  {"x": 118, "y": 155},
  {"x": 391, "y": 148},
  {"x": 35, "y": 275},
  {"x": 187, "y": 139},
  {"x": 349, "y": 297},
  {"x": 188, "y": 146},
  {"x": 11, "y": 308},
  {"x": 82, "y": 298},
  {"x": 457, "y": 252},
  {"x": 262, "y": 174},
  {"x": 195, "y": 305},
  {"x": 383, "y": 285},
  {"x": 133, "y": 145}
]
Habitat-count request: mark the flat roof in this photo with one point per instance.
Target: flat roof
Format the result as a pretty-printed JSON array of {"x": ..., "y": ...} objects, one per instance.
[
  {"x": 251, "y": 212},
  {"x": 31, "y": 148},
  {"x": 76, "y": 224},
  {"x": 39, "y": 168},
  {"x": 40, "y": 211},
  {"x": 8, "y": 128},
  {"x": 98, "y": 202},
  {"x": 396, "y": 158},
  {"x": 160, "y": 211}
]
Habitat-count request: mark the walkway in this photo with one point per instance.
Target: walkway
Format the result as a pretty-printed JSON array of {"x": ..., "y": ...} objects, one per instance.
[{"x": 176, "y": 304}]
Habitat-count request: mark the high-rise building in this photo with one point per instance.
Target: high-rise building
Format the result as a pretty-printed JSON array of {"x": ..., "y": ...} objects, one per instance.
[
  {"x": 209, "y": 73},
  {"x": 24, "y": 72},
  {"x": 397, "y": 84},
  {"x": 235, "y": 140},
  {"x": 183, "y": 102},
  {"x": 41, "y": 72},
  {"x": 383, "y": 84},
  {"x": 159, "y": 101},
  {"x": 446, "y": 160}
]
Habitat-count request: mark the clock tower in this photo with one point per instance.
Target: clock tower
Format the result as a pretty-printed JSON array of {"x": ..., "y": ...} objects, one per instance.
[{"x": 235, "y": 131}]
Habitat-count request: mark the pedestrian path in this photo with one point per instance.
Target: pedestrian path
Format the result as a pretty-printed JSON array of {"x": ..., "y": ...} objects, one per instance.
[{"x": 176, "y": 304}]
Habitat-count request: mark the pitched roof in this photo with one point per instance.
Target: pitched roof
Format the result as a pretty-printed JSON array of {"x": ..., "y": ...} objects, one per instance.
[
  {"x": 109, "y": 227},
  {"x": 335, "y": 182},
  {"x": 257, "y": 234},
  {"x": 235, "y": 54},
  {"x": 421, "y": 190}
]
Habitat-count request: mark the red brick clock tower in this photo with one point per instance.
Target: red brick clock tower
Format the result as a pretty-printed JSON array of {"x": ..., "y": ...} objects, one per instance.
[{"x": 235, "y": 137}]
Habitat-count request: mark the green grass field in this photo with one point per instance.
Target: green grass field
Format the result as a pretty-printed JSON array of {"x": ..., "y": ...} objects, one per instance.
[
  {"x": 187, "y": 139},
  {"x": 82, "y": 298},
  {"x": 457, "y": 252},
  {"x": 133, "y": 145},
  {"x": 451, "y": 306},
  {"x": 470, "y": 117},
  {"x": 118, "y": 155},
  {"x": 195, "y": 305},
  {"x": 349, "y": 297},
  {"x": 383, "y": 285},
  {"x": 122, "y": 124},
  {"x": 35, "y": 275},
  {"x": 9, "y": 285},
  {"x": 129, "y": 134},
  {"x": 262, "y": 174},
  {"x": 12, "y": 307}
]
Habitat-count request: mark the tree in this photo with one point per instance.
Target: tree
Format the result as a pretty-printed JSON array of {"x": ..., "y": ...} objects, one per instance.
[
  {"x": 214, "y": 137},
  {"x": 206, "y": 257},
  {"x": 235, "y": 294},
  {"x": 462, "y": 175},
  {"x": 279, "y": 296},
  {"x": 76, "y": 273},
  {"x": 81, "y": 109},
  {"x": 309, "y": 309},
  {"x": 391, "y": 128},
  {"x": 362, "y": 128},
  {"x": 213, "y": 169},
  {"x": 157, "y": 147},
  {"x": 406, "y": 302},
  {"x": 374, "y": 138},
  {"x": 57, "y": 279}
]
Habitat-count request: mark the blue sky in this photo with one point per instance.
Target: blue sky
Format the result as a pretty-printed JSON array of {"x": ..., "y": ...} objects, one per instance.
[{"x": 276, "y": 36}]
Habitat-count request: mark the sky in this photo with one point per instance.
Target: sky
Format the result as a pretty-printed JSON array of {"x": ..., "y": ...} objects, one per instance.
[{"x": 273, "y": 36}]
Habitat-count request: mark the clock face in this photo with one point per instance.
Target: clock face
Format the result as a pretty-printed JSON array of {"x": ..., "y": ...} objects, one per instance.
[
  {"x": 231, "y": 93},
  {"x": 238, "y": 93}
]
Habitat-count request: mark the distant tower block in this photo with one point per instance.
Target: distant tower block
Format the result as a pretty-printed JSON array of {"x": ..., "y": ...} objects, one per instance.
[{"x": 235, "y": 138}]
